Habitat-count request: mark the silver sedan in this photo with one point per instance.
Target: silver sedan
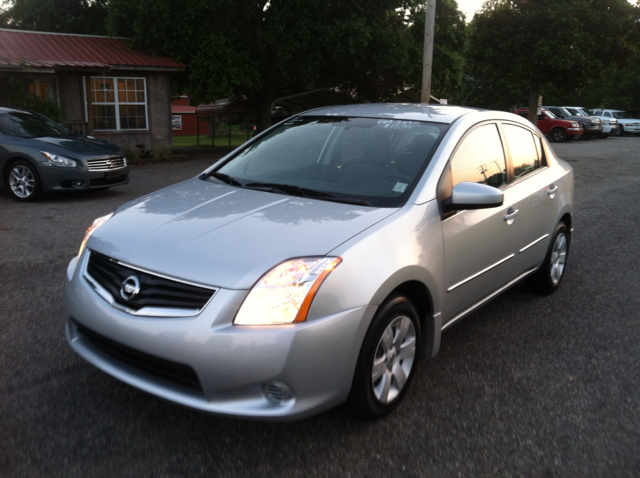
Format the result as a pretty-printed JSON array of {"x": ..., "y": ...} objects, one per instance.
[{"x": 320, "y": 262}]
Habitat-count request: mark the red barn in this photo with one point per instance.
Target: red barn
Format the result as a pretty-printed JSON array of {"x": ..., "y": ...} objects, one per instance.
[{"x": 184, "y": 120}]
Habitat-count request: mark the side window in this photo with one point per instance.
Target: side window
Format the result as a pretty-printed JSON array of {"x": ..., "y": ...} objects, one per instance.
[
  {"x": 480, "y": 158},
  {"x": 524, "y": 152}
]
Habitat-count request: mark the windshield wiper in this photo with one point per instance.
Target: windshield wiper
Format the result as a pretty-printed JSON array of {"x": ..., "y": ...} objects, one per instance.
[
  {"x": 306, "y": 193},
  {"x": 225, "y": 178},
  {"x": 288, "y": 189}
]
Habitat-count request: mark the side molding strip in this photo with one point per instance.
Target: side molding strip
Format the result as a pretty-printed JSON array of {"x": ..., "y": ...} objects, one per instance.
[{"x": 455, "y": 286}]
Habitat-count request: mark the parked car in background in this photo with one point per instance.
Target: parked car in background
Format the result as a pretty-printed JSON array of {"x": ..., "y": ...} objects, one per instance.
[
  {"x": 39, "y": 155},
  {"x": 609, "y": 125},
  {"x": 592, "y": 124},
  {"x": 317, "y": 263},
  {"x": 626, "y": 123},
  {"x": 557, "y": 129}
]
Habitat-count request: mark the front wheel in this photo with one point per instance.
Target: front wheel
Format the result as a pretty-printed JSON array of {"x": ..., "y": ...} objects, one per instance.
[
  {"x": 23, "y": 181},
  {"x": 551, "y": 272},
  {"x": 387, "y": 360},
  {"x": 559, "y": 135},
  {"x": 620, "y": 131}
]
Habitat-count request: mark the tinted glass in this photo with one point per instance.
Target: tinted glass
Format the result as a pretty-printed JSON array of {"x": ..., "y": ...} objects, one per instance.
[
  {"x": 524, "y": 152},
  {"x": 480, "y": 158},
  {"x": 28, "y": 125},
  {"x": 376, "y": 160}
]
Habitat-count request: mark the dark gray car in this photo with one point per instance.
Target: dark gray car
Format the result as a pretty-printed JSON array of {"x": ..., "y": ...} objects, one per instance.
[{"x": 39, "y": 155}]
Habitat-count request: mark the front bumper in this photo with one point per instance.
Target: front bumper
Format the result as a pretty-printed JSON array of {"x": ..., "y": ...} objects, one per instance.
[
  {"x": 66, "y": 179},
  {"x": 631, "y": 128},
  {"x": 234, "y": 366}
]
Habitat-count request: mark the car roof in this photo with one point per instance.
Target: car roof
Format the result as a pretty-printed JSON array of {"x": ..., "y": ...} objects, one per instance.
[{"x": 446, "y": 114}]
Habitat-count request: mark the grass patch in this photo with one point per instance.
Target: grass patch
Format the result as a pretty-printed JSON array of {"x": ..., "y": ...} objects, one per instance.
[{"x": 236, "y": 140}]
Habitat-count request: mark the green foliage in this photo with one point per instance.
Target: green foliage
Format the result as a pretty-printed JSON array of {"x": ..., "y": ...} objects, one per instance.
[
  {"x": 268, "y": 49},
  {"x": 63, "y": 16},
  {"x": 520, "y": 48},
  {"x": 450, "y": 39},
  {"x": 14, "y": 93}
]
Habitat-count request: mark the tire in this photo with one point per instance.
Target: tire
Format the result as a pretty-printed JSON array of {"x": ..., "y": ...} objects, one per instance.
[
  {"x": 548, "y": 278},
  {"x": 559, "y": 135},
  {"x": 620, "y": 131},
  {"x": 23, "y": 182},
  {"x": 388, "y": 359}
]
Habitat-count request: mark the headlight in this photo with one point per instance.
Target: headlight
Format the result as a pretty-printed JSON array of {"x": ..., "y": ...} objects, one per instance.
[
  {"x": 96, "y": 224},
  {"x": 575, "y": 125},
  {"x": 284, "y": 294},
  {"x": 55, "y": 160}
]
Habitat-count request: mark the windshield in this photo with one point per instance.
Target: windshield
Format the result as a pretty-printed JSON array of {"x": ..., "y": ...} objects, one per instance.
[
  {"x": 576, "y": 112},
  {"x": 621, "y": 114},
  {"x": 549, "y": 114},
  {"x": 367, "y": 161},
  {"x": 29, "y": 125}
]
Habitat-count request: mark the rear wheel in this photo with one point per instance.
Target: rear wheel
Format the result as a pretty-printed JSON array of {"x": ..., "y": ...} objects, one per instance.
[
  {"x": 551, "y": 272},
  {"x": 559, "y": 135},
  {"x": 387, "y": 360},
  {"x": 23, "y": 182}
]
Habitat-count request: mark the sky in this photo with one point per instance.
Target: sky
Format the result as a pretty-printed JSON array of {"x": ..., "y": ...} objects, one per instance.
[{"x": 469, "y": 7}]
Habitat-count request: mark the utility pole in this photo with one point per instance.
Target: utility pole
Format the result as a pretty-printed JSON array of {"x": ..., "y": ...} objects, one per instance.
[{"x": 427, "y": 59}]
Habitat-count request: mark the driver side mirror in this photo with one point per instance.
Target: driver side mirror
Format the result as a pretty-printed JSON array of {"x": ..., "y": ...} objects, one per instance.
[{"x": 466, "y": 195}]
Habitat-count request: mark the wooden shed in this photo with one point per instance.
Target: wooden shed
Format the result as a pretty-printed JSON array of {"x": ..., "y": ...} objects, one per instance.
[{"x": 104, "y": 88}]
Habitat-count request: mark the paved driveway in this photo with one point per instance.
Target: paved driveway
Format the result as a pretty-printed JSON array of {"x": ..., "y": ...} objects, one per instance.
[{"x": 528, "y": 386}]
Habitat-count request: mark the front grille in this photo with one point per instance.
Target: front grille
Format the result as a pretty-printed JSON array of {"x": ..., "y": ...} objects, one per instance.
[
  {"x": 154, "y": 290},
  {"x": 177, "y": 373},
  {"x": 106, "y": 164}
]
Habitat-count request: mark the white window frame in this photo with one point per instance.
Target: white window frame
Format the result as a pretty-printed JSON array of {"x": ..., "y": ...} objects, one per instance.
[{"x": 116, "y": 101}]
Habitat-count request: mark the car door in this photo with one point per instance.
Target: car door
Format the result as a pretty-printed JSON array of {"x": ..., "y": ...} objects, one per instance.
[
  {"x": 479, "y": 245},
  {"x": 533, "y": 194}
]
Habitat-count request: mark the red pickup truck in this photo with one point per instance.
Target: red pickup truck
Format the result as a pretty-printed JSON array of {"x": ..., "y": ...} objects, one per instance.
[{"x": 557, "y": 129}]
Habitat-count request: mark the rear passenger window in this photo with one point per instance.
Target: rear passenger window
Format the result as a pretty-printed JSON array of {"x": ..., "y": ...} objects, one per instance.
[
  {"x": 480, "y": 158},
  {"x": 524, "y": 151}
]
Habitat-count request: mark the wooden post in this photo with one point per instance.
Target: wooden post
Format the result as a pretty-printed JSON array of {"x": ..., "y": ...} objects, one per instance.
[{"x": 427, "y": 58}]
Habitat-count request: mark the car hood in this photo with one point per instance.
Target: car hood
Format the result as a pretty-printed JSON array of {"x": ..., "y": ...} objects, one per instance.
[
  {"x": 226, "y": 236},
  {"x": 81, "y": 145}
]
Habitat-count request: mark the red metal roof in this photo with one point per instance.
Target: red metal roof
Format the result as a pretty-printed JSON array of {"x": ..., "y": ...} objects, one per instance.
[
  {"x": 182, "y": 109},
  {"x": 55, "y": 50}
]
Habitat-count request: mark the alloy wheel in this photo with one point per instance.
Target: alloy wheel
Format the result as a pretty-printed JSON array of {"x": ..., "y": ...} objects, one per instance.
[
  {"x": 22, "y": 181},
  {"x": 393, "y": 359},
  {"x": 558, "y": 258}
]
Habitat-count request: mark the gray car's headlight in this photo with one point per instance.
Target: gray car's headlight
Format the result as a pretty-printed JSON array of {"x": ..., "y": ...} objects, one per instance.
[
  {"x": 96, "y": 224},
  {"x": 284, "y": 294},
  {"x": 55, "y": 160}
]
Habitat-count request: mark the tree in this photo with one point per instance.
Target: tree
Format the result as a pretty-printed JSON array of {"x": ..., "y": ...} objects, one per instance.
[
  {"x": 63, "y": 16},
  {"x": 449, "y": 45},
  {"x": 265, "y": 49},
  {"x": 531, "y": 46}
]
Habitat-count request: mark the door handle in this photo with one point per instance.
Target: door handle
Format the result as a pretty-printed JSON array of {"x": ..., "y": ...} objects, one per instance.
[
  {"x": 510, "y": 215},
  {"x": 552, "y": 191}
]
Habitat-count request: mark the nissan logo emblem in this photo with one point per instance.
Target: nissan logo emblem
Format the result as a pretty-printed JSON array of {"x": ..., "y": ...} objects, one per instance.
[{"x": 130, "y": 287}]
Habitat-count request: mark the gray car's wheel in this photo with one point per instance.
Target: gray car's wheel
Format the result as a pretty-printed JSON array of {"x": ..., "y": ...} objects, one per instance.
[
  {"x": 23, "y": 182},
  {"x": 387, "y": 360},
  {"x": 551, "y": 272},
  {"x": 620, "y": 131},
  {"x": 559, "y": 135}
]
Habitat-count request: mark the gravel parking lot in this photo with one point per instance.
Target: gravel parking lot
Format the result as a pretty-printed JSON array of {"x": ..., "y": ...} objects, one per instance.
[{"x": 528, "y": 386}]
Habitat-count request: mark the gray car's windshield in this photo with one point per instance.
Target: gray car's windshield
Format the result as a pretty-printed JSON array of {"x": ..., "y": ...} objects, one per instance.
[
  {"x": 368, "y": 161},
  {"x": 28, "y": 125},
  {"x": 576, "y": 112},
  {"x": 621, "y": 114}
]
